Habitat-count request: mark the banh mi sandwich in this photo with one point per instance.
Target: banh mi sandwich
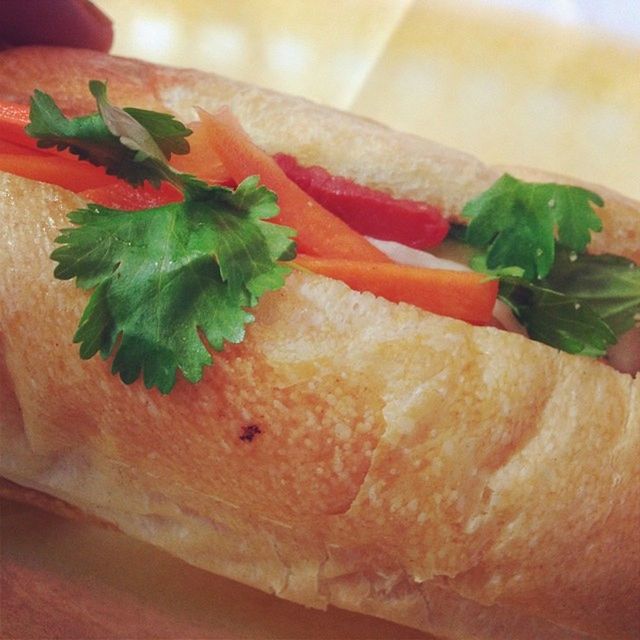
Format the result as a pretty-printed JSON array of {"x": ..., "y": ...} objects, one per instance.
[{"x": 352, "y": 445}]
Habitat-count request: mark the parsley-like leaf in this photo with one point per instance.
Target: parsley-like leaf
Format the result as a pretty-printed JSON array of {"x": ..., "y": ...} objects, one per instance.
[
  {"x": 169, "y": 134},
  {"x": 131, "y": 133},
  {"x": 534, "y": 237},
  {"x": 170, "y": 282},
  {"x": 517, "y": 221},
  {"x": 132, "y": 144},
  {"x": 583, "y": 306},
  {"x": 557, "y": 319},
  {"x": 609, "y": 285},
  {"x": 167, "y": 279}
]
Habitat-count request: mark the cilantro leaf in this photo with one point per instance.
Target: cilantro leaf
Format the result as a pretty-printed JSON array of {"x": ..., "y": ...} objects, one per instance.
[
  {"x": 87, "y": 136},
  {"x": 125, "y": 127},
  {"x": 557, "y": 319},
  {"x": 516, "y": 222},
  {"x": 169, "y": 134},
  {"x": 566, "y": 298},
  {"x": 479, "y": 263},
  {"x": 132, "y": 144},
  {"x": 583, "y": 306},
  {"x": 171, "y": 280},
  {"x": 609, "y": 285}
]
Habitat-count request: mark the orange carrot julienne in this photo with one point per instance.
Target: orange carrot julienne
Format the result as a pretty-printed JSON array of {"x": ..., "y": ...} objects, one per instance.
[
  {"x": 320, "y": 232},
  {"x": 201, "y": 160},
  {"x": 66, "y": 173},
  {"x": 465, "y": 295}
]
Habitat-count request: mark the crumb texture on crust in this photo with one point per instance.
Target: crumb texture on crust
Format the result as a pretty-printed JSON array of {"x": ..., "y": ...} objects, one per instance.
[{"x": 389, "y": 442}]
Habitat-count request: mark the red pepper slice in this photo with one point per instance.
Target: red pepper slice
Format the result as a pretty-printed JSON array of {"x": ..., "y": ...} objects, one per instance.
[
  {"x": 368, "y": 211},
  {"x": 14, "y": 118},
  {"x": 319, "y": 231},
  {"x": 122, "y": 195}
]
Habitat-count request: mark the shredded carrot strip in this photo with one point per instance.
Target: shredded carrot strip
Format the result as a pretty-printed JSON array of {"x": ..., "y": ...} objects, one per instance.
[
  {"x": 465, "y": 295},
  {"x": 319, "y": 232},
  {"x": 66, "y": 173}
]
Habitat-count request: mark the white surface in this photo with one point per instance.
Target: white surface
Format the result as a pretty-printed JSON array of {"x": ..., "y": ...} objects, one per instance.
[{"x": 620, "y": 18}]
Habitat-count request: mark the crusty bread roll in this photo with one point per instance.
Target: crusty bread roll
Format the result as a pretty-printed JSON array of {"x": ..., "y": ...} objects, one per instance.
[{"x": 461, "y": 480}]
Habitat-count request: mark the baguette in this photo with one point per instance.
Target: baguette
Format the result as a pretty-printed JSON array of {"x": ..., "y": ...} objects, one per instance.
[{"x": 460, "y": 480}]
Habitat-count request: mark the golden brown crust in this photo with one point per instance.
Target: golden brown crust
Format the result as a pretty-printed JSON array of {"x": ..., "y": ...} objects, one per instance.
[
  {"x": 412, "y": 451},
  {"x": 463, "y": 480}
]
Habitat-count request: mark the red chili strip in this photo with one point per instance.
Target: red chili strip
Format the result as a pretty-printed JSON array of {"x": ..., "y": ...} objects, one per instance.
[
  {"x": 368, "y": 211},
  {"x": 122, "y": 195}
]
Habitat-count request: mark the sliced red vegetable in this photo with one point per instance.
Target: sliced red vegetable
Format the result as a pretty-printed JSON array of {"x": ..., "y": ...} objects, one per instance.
[
  {"x": 13, "y": 119},
  {"x": 369, "y": 211},
  {"x": 222, "y": 152},
  {"x": 66, "y": 173},
  {"x": 319, "y": 231},
  {"x": 121, "y": 195},
  {"x": 11, "y": 147},
  {"x": 465, "y": 295}
]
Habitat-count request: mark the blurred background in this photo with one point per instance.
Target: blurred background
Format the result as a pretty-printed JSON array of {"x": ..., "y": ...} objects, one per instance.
[{"x": 548, "y": 83}]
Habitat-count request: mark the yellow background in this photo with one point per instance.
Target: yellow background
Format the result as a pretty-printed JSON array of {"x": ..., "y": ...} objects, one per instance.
[{"x": 509, "y": 89}]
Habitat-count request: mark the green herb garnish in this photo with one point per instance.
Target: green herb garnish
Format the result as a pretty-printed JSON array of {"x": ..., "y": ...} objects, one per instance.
[
  {"x": 132, "y": 144},
  {"x": 517, "y": 221},
  {"x": 534, "y": 238},
  {"x": 169, "y": 281}
]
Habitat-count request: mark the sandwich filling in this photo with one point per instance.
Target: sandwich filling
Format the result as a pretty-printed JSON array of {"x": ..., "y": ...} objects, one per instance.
[{"x": 237, "y": 228}]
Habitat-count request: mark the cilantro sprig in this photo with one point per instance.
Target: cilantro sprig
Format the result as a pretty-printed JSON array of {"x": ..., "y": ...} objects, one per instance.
[
  {"x": 517, "y": 221},
  {"x": 171, "y": 281},
  {"x": 534, "y": 238},
  {"x": 131, "y": 144}
]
